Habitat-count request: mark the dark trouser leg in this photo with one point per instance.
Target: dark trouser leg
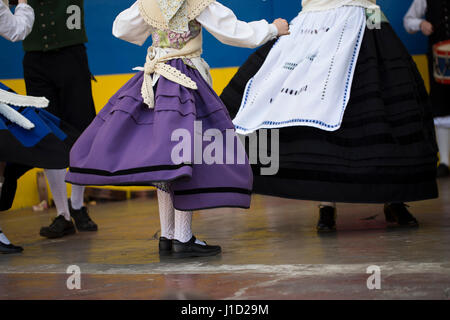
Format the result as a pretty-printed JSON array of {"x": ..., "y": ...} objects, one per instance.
[
  {"x": 73, "y": 79},
  {"x": 12, "y": 173}
]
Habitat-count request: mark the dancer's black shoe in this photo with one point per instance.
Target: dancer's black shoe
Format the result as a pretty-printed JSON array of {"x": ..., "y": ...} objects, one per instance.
[
  {"x": 82, "y": 219},
  {"x": 327, "y": 219},
  {"x": 59, "y": 228},
  {"x": 443, "y": 171},
  {"x": 398, "y": 213},
  {"x": 192, "y": 249},
  {"x": 9, "y": 248},
  {"x": 165, "y": 246}
]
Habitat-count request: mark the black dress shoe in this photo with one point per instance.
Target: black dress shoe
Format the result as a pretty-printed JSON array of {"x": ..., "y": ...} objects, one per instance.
[
  {"x": 192, "y": 249},
  {"x": 82, "y": 219},
  {"x": 165, "y": 246},
  {"x": 9, "y": 248},
  {"x": 398, "y": 213},
  {"x": 443, "y": 171},
  {"x": 327, "y": 219},
  {"x": 59, "y": 228}
]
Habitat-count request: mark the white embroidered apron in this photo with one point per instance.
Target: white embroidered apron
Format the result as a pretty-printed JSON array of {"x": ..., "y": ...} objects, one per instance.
[{"x": 307, "y": 77}]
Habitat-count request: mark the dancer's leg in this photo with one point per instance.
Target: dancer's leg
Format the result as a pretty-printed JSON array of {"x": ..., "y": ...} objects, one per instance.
[
  {"x": 443, "y": 139},
  {"x": 63, "y": 224},
  {"x": 399, "y": 214},
  {"x": 327, "y": 217},
  {"x": 183, "y": 225},
  {"x": 58, "y": 187},
  {"x": 166, "y": 215},
  {"x": 77, "y": 197},
  {"x": 185, "y": 244},
  {"x": 3, "y": 238}
]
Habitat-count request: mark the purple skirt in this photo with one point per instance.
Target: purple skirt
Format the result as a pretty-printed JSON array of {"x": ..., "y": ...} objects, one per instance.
[{"x": 129, "y": 144}]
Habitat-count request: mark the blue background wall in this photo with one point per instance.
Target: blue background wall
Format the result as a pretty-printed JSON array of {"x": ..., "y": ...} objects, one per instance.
[{"x": 109, "y": 55}]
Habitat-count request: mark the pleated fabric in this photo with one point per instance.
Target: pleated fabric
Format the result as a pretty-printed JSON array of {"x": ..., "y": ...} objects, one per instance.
[
  {"x": 130, "y": 144},
  {"x": 385, "y": 150}
]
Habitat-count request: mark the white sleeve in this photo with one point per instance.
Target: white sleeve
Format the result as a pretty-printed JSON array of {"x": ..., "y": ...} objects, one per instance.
[
  {"x": 415, "y": 16},
  {"x": 130, "y": 26},
  {"x": 17, "y": 26},
  {"x": 222, "y": 23}
]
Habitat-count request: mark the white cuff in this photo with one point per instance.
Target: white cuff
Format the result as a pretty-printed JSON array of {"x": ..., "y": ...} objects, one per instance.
[
  {"x": 273, "y": 30},
  {"x": 23, "y": 5},
  {"x": 415, "y": 25}
]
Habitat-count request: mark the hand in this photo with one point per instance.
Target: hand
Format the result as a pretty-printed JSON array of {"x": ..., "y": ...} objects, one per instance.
[
  {"x": 23, "y": 1},
  {"x": 426, "y": 27},
  {"x": 282, "y": 26}
]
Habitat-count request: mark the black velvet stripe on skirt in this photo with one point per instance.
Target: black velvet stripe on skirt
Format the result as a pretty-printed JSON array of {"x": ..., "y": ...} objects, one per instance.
[{"x": 385, "y": 150}]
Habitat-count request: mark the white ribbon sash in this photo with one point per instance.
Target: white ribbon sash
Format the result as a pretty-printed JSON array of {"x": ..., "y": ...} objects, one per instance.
[{"x": 156, "y": 65}]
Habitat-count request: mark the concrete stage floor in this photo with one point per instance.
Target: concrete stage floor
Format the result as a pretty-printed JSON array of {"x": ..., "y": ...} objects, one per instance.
[{"x": 269, "y": 252}]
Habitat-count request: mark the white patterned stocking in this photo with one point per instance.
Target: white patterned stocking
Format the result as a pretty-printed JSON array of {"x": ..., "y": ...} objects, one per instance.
[
  {"x": 183, "y": 225},
  {"x": 166, "y": 214},
  {"x": 58, "y": 188}
]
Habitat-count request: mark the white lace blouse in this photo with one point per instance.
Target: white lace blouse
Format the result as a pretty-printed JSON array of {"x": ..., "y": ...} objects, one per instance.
[{"x": 219, "y": 20}]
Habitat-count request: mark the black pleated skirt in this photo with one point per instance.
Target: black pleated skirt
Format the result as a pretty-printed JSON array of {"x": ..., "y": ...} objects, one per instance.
[{"x": 385, "y": 150}]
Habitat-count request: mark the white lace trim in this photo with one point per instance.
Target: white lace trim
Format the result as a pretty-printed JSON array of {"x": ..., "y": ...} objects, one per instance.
[
  {"x": 156, "y": 65},
  {"x": 150, "y": 20},
  {"x": 22, "y": 101},
  {"x": 15, "y": 117},
  {"x": 195, "y": 7}
]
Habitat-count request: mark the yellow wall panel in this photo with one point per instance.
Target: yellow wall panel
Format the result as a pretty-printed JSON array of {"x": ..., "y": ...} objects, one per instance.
[{"x": 422, "y": 65}]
